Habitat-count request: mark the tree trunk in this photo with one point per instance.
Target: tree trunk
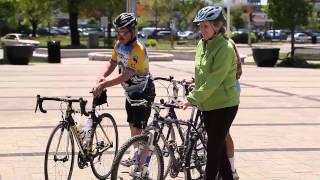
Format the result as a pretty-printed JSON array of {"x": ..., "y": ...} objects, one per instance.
[
  {"x": 34, "y": 25},
  {"x": 292, "y": 41},
  {"x": 73, "y": 22}
]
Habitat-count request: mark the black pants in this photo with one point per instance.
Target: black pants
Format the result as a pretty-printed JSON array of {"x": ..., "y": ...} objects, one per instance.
[{"x": 217, "y": 123}]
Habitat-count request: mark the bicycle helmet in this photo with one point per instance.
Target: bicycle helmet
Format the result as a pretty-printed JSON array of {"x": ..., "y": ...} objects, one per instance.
[
  {"x": 127, "y": 20},
  {"x": 209, "y": 13}
]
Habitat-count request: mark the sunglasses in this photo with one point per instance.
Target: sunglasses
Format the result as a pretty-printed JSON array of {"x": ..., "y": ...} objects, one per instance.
[{"x": 122, "y": 34}]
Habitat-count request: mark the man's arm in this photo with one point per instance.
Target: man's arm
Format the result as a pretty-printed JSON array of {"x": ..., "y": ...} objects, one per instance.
[
  {"x": 119, "y": 79},
  {"x": 110, "y": 66}
]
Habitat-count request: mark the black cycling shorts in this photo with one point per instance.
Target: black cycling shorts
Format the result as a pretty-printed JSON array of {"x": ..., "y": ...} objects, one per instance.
[{"x": 137, "y": 115}]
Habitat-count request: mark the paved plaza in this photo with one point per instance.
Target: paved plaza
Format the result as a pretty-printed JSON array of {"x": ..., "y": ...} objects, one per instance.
[{"x": 276, "y": 131}]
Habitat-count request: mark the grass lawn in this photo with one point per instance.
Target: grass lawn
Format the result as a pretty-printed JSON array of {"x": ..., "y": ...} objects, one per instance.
[{"x": 65, "y": 41}]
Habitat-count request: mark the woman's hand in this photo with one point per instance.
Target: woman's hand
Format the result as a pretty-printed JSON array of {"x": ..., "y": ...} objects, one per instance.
[
  {"x": 188, "y": 81},
  {"x": 186, "y": 104}
]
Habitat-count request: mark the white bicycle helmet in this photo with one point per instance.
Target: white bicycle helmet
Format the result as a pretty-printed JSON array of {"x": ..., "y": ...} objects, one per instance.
[
  {"x": 127, "y": 20},
  {"x": 208, "y": 13}
]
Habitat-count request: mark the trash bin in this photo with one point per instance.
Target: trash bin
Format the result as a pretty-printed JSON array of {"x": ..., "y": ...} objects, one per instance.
[
  {"x": 19, "y": 54},
  {"x": 93, "y": 40},
  {"x": 314, "y": 39},
  {"x": 54, "y": 55}
]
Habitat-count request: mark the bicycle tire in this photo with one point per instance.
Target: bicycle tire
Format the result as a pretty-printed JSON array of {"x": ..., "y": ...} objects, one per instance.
[
  {"x": 63, "y": 128},
  {"x": 136, "y": 140},
  {"x": 106, "y": 120},
  {"x": 167, "y": 163},
  {"x": 195, "y": 159}
]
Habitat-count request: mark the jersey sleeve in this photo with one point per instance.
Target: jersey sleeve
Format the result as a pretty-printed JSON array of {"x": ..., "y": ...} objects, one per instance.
[
  {"x": 114, "y": 53},
  {"x": 137, "y": 60}
]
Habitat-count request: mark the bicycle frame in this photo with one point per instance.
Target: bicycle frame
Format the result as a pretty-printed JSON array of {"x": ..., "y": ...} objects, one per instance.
[
  {"x": 191, "y": 131},
  {"x": 69, "y": 122}
]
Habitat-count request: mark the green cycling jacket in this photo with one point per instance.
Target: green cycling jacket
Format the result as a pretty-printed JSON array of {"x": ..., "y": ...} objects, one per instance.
[{"x": 215, "y": 75}]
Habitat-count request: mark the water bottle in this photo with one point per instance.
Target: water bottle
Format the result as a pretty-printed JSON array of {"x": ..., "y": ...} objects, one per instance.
[{"x": 86, "y": 134}]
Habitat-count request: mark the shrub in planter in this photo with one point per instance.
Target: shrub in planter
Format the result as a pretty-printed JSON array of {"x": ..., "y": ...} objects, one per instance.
[
  {"x": 290, "y": 62},
  {"x": 243, "y": 37},
  {"x": 151, "y": 42}
]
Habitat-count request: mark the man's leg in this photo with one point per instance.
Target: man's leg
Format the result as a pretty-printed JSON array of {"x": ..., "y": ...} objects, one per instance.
[{"x": 134, "y": 131}]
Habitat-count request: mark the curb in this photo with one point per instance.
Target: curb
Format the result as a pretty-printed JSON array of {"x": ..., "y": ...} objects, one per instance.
[{"x": 105, "y": 56}]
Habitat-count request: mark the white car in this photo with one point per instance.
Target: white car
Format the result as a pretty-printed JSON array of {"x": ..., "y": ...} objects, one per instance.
[
  {"x": 303, "y": 37},
  {"x": 14, "y": 39},
  {"x": 185, "y": 35}
]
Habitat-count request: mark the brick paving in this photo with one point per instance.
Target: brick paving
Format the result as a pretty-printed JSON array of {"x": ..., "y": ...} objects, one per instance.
[{"x": 276, "y": 131}]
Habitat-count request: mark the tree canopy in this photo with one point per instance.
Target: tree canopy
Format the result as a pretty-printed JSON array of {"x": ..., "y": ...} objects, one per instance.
[{"x": 286, "y": 14}]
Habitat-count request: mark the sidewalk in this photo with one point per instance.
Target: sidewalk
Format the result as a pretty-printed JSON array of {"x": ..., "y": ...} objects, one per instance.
[{"x": 276, "y": 131}]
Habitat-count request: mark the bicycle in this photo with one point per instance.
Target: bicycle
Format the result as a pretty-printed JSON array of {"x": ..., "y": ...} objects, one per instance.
[
  {"x": 185, "y": 161},
  {"x": 60, "y": 148}
]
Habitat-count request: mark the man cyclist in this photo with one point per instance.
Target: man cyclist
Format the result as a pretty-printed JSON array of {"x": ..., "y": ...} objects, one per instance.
[{"x": 130, "y": 55}]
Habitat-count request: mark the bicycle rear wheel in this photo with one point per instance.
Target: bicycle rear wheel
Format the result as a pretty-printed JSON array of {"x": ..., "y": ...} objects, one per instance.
[
  {"x": 104, "y": 146},
  {"x": 126, "y": 167},
  {"x": 59, "y": 156}
]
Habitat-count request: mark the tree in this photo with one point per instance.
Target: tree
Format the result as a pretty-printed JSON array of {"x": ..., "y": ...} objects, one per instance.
[
  {"x": 286, "y": 14},
  {"x": 314, "y": 20},
  {"x": 110, "y": 8},
  {"x": 182, "y": 10},
  {"x": 95, "y": 8},
  {"x": 237, "y": 17},
  {"x": 34, "y": 12},
  {"x": 7, "y": 16}
]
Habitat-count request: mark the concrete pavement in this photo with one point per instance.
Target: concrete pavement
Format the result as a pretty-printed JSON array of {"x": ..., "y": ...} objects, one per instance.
[{"x": 276, "y": 131}]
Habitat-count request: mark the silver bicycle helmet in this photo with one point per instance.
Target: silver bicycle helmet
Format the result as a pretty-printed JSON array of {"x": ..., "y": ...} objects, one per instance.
[
  {"x": 127, "y": 20},
  {"x": 209, "y": 13}
]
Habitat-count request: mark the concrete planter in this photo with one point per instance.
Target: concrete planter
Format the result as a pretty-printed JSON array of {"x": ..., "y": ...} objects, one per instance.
[
  {"x": 265, "y": 57},
  {"x": 19, "y": 54}
]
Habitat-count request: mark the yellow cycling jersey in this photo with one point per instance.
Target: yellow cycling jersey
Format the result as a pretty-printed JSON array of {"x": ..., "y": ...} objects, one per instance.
[{"x": 132, "y": 56}]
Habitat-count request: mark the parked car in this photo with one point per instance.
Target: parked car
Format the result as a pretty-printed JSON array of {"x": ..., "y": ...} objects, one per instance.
[
  {"x": 91, "y": 30},
  {"x": 162, "y": 34},
  {"x": 152, "y": 31},
  {"x": 46, "y": 31},
  {"x": 302, "y": 37},
  {"x": 185, "y": 35},
  {"x": 276, "y": 34},
  {"x": 141, "y": 34},
  {"x": 14, "y": 39},
  {"x": 113, "y": 32}
]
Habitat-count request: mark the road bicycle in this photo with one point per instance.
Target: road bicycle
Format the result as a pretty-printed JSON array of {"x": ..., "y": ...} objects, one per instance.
[
  {"x": 147, "y": 161},
  {"x": 60, "y": 150}
]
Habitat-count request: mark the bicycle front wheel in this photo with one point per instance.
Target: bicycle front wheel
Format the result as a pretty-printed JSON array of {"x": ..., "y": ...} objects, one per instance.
[
  {"x": 128, "y": 166},
  {"x": 104, "y": 146},
  {"x": 196, "y": 159},
  {"x": 59, "y": 156},
  {"x": 170, "y": 137}
]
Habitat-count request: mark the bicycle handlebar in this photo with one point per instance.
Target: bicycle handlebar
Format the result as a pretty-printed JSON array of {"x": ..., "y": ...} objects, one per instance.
[
  {"x": 82, "y": 102},
  {"x": 186, "y": 87}
]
